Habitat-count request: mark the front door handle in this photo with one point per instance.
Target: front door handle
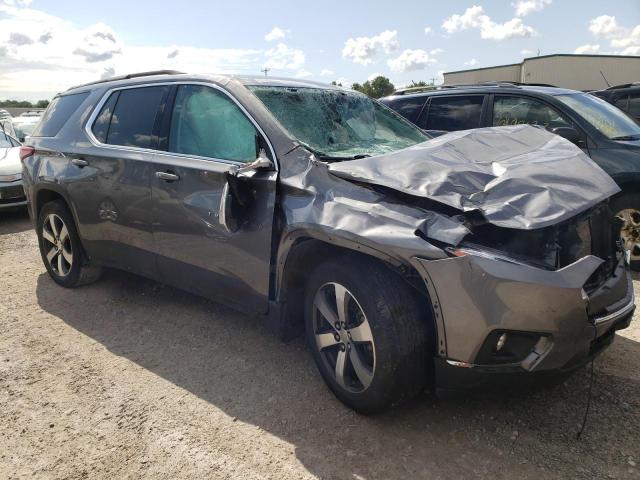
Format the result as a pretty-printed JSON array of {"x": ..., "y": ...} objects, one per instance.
[
  {"x": 168, "y": 176},
  {"x": 80, "y": 162}
]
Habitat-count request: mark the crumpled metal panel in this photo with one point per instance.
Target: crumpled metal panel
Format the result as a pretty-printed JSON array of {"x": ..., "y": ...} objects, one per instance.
[{"x": 518, "y": 177}]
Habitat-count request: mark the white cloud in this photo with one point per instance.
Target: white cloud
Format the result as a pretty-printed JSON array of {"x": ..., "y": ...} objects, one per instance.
[
  {"x": 428, "y": 30},
  {"x": 98, "y": 44},
  {"x": 17, "y": 3},
  {"x": 283, "y": 57},
  {"x": 471, "y": 62},
  {"x": 588, "y": 48},
  {"x": 526, "y": 52},
  {"x": 60, "y": 54},
  {"x": 325, "y": 72},
  {"x": 525, "y": 7},
  {"x": 276, "y": 34},
  {"x": 474, "y": 17},
  {"x": 373, "y": 76},
  {"x": 362, "y": 49},
  {"x": 436, "y": 51},
  {"x": 410, "y": 60},
  {"x": 303, "y": 74},
  {"x": 625, "y": 40}
]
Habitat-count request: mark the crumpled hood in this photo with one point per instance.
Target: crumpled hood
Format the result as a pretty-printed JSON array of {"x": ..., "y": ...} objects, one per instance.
[
  {"x": 10, "y": 161},
  {"x": 518, "y": 177}
]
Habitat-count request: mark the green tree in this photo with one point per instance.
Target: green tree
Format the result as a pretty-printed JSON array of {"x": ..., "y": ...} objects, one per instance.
[
  {"x": 421, "y": 83},
  {"x": 337, "y": 84},
  {"x": 376, "y": 88},
  {"x": 42, "y": 104}
]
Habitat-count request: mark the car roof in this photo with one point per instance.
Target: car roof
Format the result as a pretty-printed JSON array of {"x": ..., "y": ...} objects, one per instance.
[
  {"x": 170, "y": 76},
  {"x": 493, "y": 88}
]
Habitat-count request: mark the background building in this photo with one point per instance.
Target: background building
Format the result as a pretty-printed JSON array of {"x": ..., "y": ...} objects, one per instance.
[{"x": 580, "y": 72}]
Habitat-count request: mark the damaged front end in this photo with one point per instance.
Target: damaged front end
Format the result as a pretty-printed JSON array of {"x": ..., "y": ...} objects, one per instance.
[{"x": 535, "y": 278}]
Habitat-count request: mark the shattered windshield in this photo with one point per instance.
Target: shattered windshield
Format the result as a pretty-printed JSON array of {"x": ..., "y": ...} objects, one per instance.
[
  {"x": 609, "y": 120},
  {"x": 338, "y": 124}
]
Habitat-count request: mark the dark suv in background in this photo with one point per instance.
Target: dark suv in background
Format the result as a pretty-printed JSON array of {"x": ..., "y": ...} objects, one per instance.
[
  {"x": 626, "y": 97},
  {"x": 602, "y": 131}
]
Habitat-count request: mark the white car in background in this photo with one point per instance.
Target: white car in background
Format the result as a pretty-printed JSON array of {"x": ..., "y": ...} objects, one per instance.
[
  {"x": 11, "y": 189},
  {"x": 24, "y": 126}
]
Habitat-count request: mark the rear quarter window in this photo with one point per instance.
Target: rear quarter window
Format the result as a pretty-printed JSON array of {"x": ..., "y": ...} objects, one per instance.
[{"x": 57, "y": 114}]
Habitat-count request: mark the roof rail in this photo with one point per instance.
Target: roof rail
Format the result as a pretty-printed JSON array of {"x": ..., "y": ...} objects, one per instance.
[
  {"x": 497, "y": 84},
  {"x": 425, "y": 88},
  {"x": 130, "y": 75},
  {"x": 624, "y": 85}
]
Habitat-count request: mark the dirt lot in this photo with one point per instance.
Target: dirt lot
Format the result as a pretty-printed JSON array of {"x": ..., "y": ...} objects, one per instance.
[{"x": 127, "y": 379}]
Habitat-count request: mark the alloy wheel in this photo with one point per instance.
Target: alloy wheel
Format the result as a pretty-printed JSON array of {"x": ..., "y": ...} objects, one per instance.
[
  {"x": 630, "y": 232},
  {"x": 57, "y": 245},
  {"x": 343, "y": 337}
]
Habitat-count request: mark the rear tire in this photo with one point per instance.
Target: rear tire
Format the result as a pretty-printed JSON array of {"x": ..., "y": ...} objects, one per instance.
[
  {"x": 379, "y": 356},
  {"x": 61, "y": 249},
  {"x": 627, "y": 208}
]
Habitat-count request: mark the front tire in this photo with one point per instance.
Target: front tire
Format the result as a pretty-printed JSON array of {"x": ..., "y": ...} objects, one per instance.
[
  {"x": 368, "y": 333},
  {"x": 61, "y": 249}
]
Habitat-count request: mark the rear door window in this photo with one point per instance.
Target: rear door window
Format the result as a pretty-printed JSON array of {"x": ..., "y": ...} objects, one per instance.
[
  {"x": 521, "y": 110},
  {"x": 207, "y": 123},
  {"x": 451, "y": 113},
  {"x": 131, "y": 117},
  {"x": 57, "y": 114},
  {"x": 409, "y": 107}
]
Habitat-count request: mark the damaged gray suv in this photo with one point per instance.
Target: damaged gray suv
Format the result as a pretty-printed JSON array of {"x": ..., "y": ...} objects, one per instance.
[{"x": 406, "y": 261}]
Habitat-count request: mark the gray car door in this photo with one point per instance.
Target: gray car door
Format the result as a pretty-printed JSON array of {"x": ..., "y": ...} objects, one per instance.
[
  {"x": 111, "y": 182},
  {"x": 207, "y": 132}
]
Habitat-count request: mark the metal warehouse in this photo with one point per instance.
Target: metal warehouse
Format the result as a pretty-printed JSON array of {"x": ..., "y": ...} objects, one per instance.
[{"x": 579, "y": 72}]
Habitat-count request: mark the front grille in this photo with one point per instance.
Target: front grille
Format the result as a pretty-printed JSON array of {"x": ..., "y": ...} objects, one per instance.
[
  {"x": 590, "y": 233},
  {"x": 13, "y": 193}
]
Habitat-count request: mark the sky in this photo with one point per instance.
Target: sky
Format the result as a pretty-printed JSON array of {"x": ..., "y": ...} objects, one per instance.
[{"x": 47, "y": 46}]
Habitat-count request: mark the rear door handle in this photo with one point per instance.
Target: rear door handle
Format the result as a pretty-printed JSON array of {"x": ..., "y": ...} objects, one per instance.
[
  {"x": 79, "y": 162},
  {"x": 167, "y": 176}
]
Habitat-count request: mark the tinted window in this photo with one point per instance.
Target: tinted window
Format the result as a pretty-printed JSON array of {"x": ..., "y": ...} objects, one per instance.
[
  {"x": 207, "y": 123},
  {"x": 409, "y": 107},
  {"x": 101, "y": 125},
  {"x": 134, "y": 116},
  {"x": 59, "y": 111},
  {"x": 634, "y": 105},
  {"x": 454, "y": 113},
  {"x": 621, "y": 103},
  {"x": 521, "y": 110}
]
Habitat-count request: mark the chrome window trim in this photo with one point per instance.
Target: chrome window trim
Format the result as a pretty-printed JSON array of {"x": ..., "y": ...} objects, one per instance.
[{"x": 96, "y": 111}]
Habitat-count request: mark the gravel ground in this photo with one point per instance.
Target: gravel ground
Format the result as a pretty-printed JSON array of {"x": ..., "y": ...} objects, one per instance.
[{"x": 127, "y": 378}]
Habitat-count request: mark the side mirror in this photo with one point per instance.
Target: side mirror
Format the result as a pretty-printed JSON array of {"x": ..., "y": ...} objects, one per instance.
[
  {"x": 260, "y": 163},
  {"x": 235, "y": 196},
  {"x": 568, "y": 133}
]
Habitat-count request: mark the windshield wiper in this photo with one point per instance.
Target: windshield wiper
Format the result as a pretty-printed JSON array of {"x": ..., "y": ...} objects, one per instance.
[
  {"x": 331, "y": 158},
  {"x": 623, "y": 138}
]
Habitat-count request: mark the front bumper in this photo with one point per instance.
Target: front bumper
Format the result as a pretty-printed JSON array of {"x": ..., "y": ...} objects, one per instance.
[
  {"x": 12, "y": 195},
  {"x": 474, "y": 296}
]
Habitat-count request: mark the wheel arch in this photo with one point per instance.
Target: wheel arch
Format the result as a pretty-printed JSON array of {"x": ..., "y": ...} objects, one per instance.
[{"x": 303, "y": 250}]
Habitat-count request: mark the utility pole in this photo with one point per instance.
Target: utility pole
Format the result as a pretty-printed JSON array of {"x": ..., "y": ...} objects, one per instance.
[
  {"x": 265, "y": 70},
  {"x": 433, "y": 80}
]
